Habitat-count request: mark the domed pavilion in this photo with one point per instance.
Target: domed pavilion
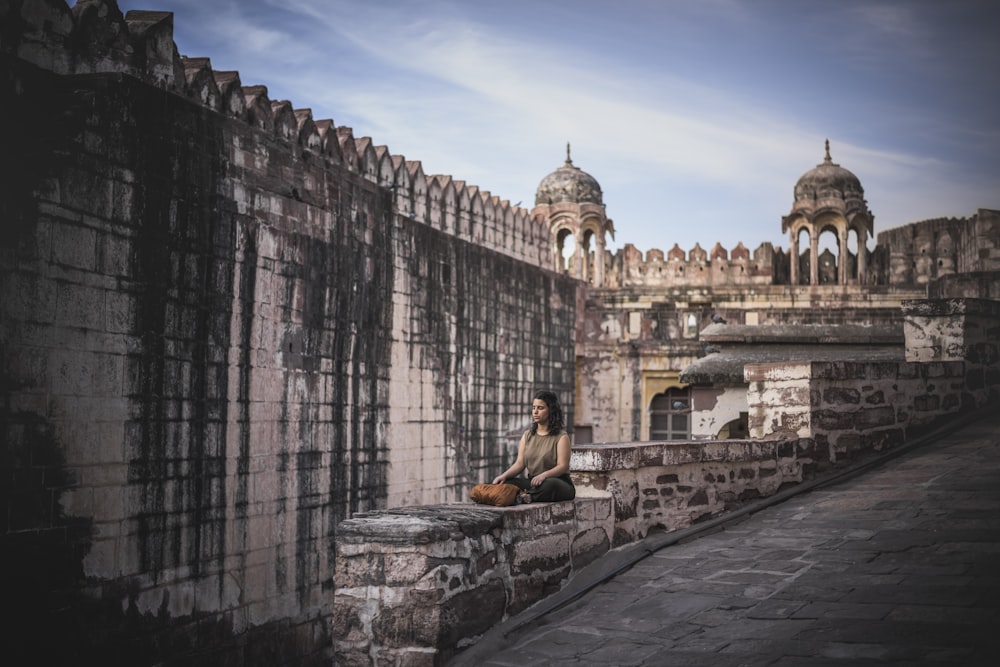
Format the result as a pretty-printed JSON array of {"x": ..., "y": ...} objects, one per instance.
[
  {"x": 570, "y": 203},
  {"x": 829, "y": 198}
]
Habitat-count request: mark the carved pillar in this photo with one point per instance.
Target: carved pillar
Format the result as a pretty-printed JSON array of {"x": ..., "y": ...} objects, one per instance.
[
  {"x": 842, "y": 256},
  {"x": 795, "y": 257},
  {"x": 813, "y": 259},
  {"x": 862, "y": 256},
  {"x": 599, "y": 262}
]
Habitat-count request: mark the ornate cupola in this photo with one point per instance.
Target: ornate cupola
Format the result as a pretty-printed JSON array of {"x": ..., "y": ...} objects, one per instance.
[
  {"x": 570, "y": 203},
  {"x": 830, "y": 198},
  {"x": 569, "y": 184}
]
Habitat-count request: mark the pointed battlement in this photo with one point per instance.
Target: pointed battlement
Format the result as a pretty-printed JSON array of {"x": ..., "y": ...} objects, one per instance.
[
  {"x": 698, "y": 268},
  {"x": 94, "y": 37}
]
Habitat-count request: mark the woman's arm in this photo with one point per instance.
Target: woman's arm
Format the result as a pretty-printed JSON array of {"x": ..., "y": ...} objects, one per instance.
[
  {"x": 515, "y": 467},
  {"x": 562, "y": 462}
]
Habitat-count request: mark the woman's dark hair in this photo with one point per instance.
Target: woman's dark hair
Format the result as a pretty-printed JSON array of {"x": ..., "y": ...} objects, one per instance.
[{"x": 556, "y": 423}]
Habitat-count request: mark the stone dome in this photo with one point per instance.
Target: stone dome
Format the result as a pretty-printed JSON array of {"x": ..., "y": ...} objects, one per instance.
[
  {"x": 568, "y": 184},
  {"x": 828, "y": 180}
]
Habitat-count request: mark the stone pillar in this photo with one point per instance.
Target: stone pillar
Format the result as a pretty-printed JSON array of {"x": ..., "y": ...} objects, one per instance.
[
  {"x": 795, "y": 258},
  {"x": 842, "y": 253},
  {"x": 813, "y": 259},
  {"x": 599, "y": 262},
  {"x": 862, "y": 256}
]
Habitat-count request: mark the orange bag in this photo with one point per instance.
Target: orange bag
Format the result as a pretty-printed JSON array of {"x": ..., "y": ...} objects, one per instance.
[{"x": 500, "y": 495}]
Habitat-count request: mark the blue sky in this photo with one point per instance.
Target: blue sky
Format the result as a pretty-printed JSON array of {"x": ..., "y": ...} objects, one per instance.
[{"x": 697, "y": 118}]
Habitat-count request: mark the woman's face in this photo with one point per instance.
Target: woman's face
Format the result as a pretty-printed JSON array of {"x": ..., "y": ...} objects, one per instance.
[{"x": 540, "y": 412}]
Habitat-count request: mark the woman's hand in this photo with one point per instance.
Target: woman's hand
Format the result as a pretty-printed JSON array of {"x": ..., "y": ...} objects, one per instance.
[
  {"x": 538, "y": 479},
  {"x": 500, "y": 479}
]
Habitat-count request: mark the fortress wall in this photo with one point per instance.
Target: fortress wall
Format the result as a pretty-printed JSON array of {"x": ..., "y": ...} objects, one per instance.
[
  {"x": 212, "y": 326},
  {"x": 930, "y": 249},
  {"x": 698, "y": 268},
  {"x": 203, "y": 359}
]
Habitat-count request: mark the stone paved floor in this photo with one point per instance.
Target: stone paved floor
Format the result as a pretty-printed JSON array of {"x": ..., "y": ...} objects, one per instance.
[{"x": 896, "y": 565}]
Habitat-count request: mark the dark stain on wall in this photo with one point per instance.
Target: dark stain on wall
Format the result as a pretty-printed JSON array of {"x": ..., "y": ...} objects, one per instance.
[
  {"x": 42, "y": 548},
  {"x": 492, "y": 330},
  {"x": 183, "y": 289},
  {"x": 247, "y": 267}
]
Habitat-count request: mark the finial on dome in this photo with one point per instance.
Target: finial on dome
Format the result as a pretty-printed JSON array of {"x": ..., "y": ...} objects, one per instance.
[
  {"x": 827, "y": 158},
  {"x": 569, "y": 160}
]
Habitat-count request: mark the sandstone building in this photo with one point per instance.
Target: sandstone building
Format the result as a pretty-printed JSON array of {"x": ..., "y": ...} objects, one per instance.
[{"x": 226, "y": 326}]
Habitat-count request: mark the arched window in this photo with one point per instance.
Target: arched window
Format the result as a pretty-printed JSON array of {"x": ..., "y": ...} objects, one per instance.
[
  {"x": 805, "y": 256},
  {"x": 670, "y": 415},
  {"x": 566, "y": 249}
]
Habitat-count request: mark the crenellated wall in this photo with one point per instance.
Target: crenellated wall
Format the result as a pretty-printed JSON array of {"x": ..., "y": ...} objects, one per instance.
[
  {"x": 698, "y": 268},
  {"x": 920, "y": 252},
  {"x": 216, "y": 315}
]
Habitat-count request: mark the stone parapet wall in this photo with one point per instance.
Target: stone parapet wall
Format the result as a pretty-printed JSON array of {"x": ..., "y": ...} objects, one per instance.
[
  {"x": 415, "y": 585},
  {"x": 670, "y": 485},
  {"x": 851, "y": 406},
  {"x": 952, "y": 364}
]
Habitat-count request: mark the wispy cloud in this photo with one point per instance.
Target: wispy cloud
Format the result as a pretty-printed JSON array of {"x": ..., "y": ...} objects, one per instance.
[{"x": 684, "y": 111}]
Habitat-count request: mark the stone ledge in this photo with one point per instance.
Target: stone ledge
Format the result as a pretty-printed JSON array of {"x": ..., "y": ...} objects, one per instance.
[
  {"x": 630, "y": 456},
  {"x": 948, "y": 307},
  {"x": 433, "y": 578},
  {"x": 418, "y": 525}
]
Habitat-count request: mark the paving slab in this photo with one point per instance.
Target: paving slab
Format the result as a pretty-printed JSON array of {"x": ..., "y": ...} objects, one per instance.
[{"x": 898, "y": 564}]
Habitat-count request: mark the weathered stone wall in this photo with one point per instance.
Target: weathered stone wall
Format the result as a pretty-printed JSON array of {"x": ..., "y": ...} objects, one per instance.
[
  {"x": 635, "y": 342},
  {"x": 670, "y": 485},
  {"x": 713, "y": 407},
  {"x": 473, "y": 333},
  {"x": 923, "y": 251},
  {"x": 214, "y": 314},
  {"x": 965, "y": 330},
  {"x": 415, "y": 585},
  {"x": 202, "y": 356},
  {"x": 851, "y": 406},
  {"x": 953, "y": 352}
]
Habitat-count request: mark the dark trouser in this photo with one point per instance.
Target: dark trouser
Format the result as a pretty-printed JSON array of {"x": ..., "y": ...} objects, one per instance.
[{"x": 552, "y": 489}]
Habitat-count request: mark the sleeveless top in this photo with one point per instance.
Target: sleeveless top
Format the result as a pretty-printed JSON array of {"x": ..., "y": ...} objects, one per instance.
[{"x": 541, "y": 454}]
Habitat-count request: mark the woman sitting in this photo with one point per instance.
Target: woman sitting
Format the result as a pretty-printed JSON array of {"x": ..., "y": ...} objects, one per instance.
[{"x": 543, "y": 455}]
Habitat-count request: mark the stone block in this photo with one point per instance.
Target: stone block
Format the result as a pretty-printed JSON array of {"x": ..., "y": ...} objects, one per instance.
[
  {"x": 681, "y": 453},
  {"x": 471, "y": 613},
  {"x": 841, "y": 396},
  {"x": 407, "y": 624},
  {"x": 74, "y": 246},
  {"x": 927, "y": 403},
  {"x": 542, "y": 555},
  {"x": 772, "y": 372},
  {"x": 525, "y": 591}
]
